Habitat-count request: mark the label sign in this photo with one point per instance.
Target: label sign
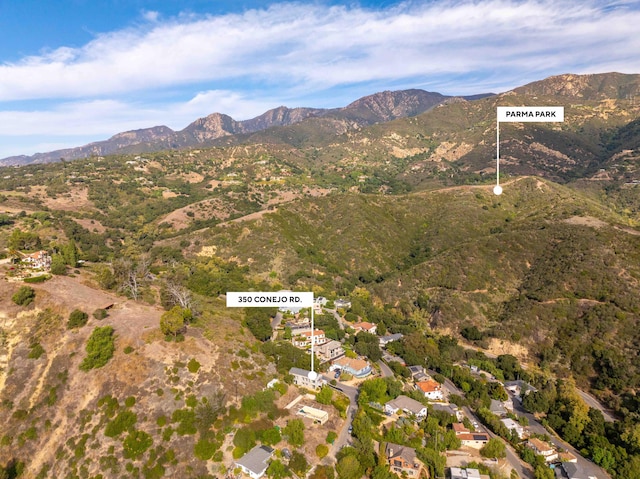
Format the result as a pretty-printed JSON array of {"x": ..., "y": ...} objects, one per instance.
[
  {"x": 530, "y": 113},
  {"x": 263, "y": 300}
]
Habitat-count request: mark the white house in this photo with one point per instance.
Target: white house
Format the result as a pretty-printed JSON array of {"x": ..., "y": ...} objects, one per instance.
[
  {"x": 407, "y": 405},
  {"x": 301, "y": 378},
  {"x": 303, "y": 339},
  {"x": 510, "y": 424},
  {"x": 431, "y": 389},
  {"x": 255, "y": 462},
  {"x": 543, "y": 449}
]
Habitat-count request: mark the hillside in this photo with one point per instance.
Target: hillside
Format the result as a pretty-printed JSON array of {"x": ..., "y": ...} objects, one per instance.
[{"x": 387, "y": 202}]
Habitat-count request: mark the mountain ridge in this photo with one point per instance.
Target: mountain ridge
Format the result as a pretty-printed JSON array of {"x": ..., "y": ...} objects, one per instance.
[{"x": 376, "y": 108}]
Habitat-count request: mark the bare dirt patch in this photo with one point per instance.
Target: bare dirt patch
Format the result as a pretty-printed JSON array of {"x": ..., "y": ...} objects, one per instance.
[{"x": 76, "y": 200}]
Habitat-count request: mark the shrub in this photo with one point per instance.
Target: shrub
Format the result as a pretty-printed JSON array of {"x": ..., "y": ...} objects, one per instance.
[
  {"x": 37, "y": 279},
  {"x": 24, "y": 296},
  {"x": 130, "y": 401},
  {"x": 128, "y": 350},
  {"x": 193, "y": 365},
  {"x": 100, "y": 347},
  {"x": 322, "y": 450},
  {"x": 122, "y": 422},
  {"x": 36, "y": 351},
  {"x": 136, "y": 444},
  {"x": 77, "y": 319},
  {"x": 204, "y": 449},
  {"x": 100, "y": 313}
]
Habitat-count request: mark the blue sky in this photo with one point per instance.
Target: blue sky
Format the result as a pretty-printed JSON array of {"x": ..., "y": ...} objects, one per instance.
[{"x": 75, "y": 71}]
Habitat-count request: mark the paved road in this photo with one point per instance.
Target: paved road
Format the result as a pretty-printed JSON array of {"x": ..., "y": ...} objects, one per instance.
[
  {"x": 344, "y": 437},
  {"x": 385, "y": 370},
  {"x": 595, "y": 404}
]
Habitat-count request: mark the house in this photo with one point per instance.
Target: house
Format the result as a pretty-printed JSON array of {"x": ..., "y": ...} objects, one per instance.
[
  {"x": 255, "y": 462},
  {"x": 459, "y": 473},
  {"x": 319, "y": 303},
  {"x": 384, "y": 340},
  {"x": 475, "y": 440},
  {"x": 511, "y": 425},
  {"x": 318, "y": 416},
  {"x": 403, "y": 460},
  {"x": 356, "y": 367},
  {"x": 38, "y": 260},
  {"x": 519, "y": 388},
  {"x": 407, "y": 405},
  {"x": 301, "y": 378},
  {"x": 498, "y": 408},
  {"x": 342, "y": 304},
  {"x": 567, "y": 457},
  {"x": 572, "y": 471},
  {"x": 366, "y": 327},
  {"x": 418, "y": 373},
  {"x": 330, "y": 350},
  {"x": 272, "y": 383},
  {"x": 299, "y": 325},
  {"x": 543, "y": 449},
  {"x": 304, "y": 338},
  {"x": 450, "y": 409},
  {"x": 431, "y": 389},
  {"x": 459, "y": 428}
]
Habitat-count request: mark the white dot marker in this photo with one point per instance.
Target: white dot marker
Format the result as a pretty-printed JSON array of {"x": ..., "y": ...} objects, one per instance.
[
  {"x": 312, "y": 375},
  {"x": 497, "y": 190}
]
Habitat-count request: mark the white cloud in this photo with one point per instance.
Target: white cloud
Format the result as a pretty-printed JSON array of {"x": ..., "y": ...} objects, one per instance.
[{"x": 316, "y": 46}]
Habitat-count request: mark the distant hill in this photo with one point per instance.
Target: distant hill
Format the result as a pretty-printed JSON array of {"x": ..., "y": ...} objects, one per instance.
[{"x": 376, "y": 108}]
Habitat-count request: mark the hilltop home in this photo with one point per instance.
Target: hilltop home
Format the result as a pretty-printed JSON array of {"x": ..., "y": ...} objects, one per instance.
[
  {"x": 407, "y": 405},
  {"x": 329, "y": 350},
  {"x": 303, "y": 339},
  {"x": 403, "y": 460},
  {"x": 366, "y": 327},
  {"x": 431, "y": 389},
  {"x": 357, "y": 367},
  {"x": 342, "y": 304},
  {"x": 255, "y": 462},
  {"x": 38, "y": 260},
  {"x": 301, "y": 378},
  {"x": 384, "y": 340}
]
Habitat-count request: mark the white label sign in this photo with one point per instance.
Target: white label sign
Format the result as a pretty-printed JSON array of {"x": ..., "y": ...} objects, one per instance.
[
  {"x": 530, "y": 113},
  {"x": 263, "y": 300}
]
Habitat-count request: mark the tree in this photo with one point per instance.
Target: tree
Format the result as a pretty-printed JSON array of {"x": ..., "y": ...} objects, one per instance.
[
  {"x": 277, "y": 470},
  {"x": 324, "y": 395},
  {"x": 24, "y": 296},
  {"x": 298, "y": 463},
  {"x": 322, "y": 450},
  {"x": 495, "y": 448},
  {"x": 179, "y": 295},
  {"x": 24, "y": 240},
  {"x": 544, "y": 472},
  {"x": 172, "y": 321},
  {"x": 58, "y": 265},
  {"x": 294, "y": 432},
  {"x": 348, "y": 467}
]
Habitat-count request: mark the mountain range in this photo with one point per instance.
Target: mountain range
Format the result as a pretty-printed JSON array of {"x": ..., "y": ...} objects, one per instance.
[{"x": 377, "y": 108}]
